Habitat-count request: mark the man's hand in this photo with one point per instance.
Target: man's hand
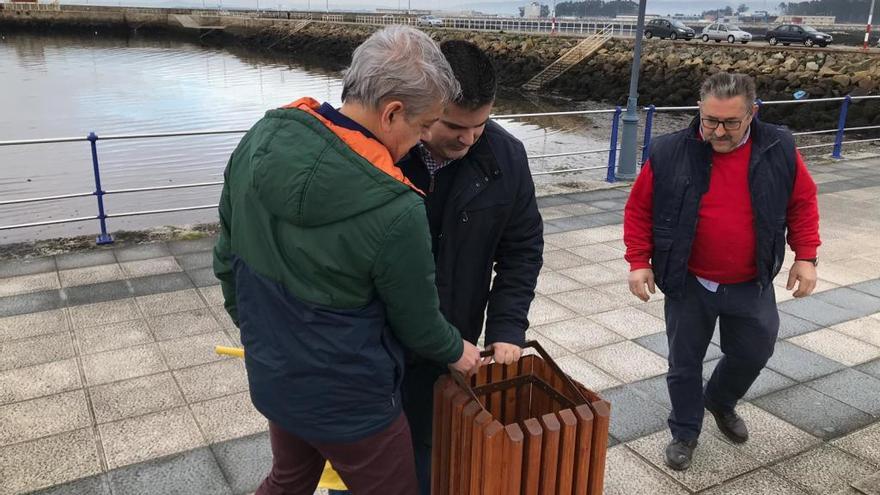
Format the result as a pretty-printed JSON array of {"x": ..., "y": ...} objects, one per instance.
[
  {"x": 469, "y": 362},
  {"x": 638, "y": 280},
  {"x": 804, "y": 273},
  {"x": 503, "y": 353}
]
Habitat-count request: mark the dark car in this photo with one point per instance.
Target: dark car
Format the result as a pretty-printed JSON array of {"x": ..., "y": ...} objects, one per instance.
[
  {"x": 797, "y": 33},
  {"x": 668, "y": 28}
]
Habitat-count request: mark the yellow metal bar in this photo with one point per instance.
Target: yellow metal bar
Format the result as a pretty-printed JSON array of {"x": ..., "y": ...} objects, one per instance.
[{"x": 229, "y": 351}]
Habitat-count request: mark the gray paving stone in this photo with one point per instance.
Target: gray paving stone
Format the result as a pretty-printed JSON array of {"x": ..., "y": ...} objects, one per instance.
[
  {"x": 628, "y": 474},
  {"x": 824, "y": 470},
  {"x": 634, "y": 415},
  {"x": 32, "y": 419},
  {"x": 203, "y": 277},
  {"x": 576, "y": 222},
  {"x": 35, "y": 350},
  {"x": 212, "y": 380},
  {"x": 184, "y": 324},
  {"x": 813, "y": 412},
  {"x": 91, "y": 275},
  {"x": 660, "y": 344},
  {"x": 26, "y": 266},
  {"x": 869, "y": 485},
  {"x": 599, "y": 194},
  {"x": 121, "y": 364},
  {"x": 791, "y": 326},
  {"x": 155, "y": 284},
  {"x": 554, "y": 200},
  {"x": 38, "y": 381},
  {"x": 561, "y": 259},
  {"x": 192, "y": 261},
  {"x": 96, "y": 293},
  {"x": 30, "y": 303},
  {"x": 854, "y": 300},
  {"x": 760, "y": 482},
  {"x": 83, "y": 259},
  {"x": 851, "y": 387},
  {"x": 656, "y": 389},
  {"x": 177, "y": 474},
  {"x": 49, "y": 461},
  {"x": 767, "y": 382},
  {"x": 28, "y": 284},
  {"x": 142, "y": 438},
  {"x": 626, "y": 361},
  {"x": 151, "y": 266},
  {"x": 800, "y": 364},
  {"x": 127, "y": 398},
  {"x": 142, "y": 252},
  {"x": 245, "y": 461},
  {"x": 870, "y": 287},
  {"x": 585, "y": 373},
  {"x": 818, "y": 311},
  {"x": 170, "y": 302},
  {"x": 551, "y": 229},
  {"x": 194, "y": 350},
  {"x": 214, "y": 296},
  {"x": 770, "y": 438},
  {"x": 33, "y": 324},
  {"x": 587, "y": 301},
  {"x": 113, "y": 336},
  {"x": 93, "y": 485},
  {"x": 105, "y": 312},
  {"x": 229, "y": 417},
  {"x": 184, "y": 247},
  {"x": 579, "y": 334},
  {"x": 872, "y": 368},
  {"x": 608, "y": 204}
]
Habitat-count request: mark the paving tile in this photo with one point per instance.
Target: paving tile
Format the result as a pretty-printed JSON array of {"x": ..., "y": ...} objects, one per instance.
[
  {"x": 588, "y": 301},
  {"x": 178, "y": 474},
  {"x": 152, "y": 266},
  {"x": 851, "y": 299},
  {"x": 596, "y": 253},
  {"x": 813, "y": 412},
  {"x": 552, "y": 348},
  {"x": 561, "y": 259},
  {"x": 634, "y": 414},
  {"x": 229, "y": 417},
  {"x": 630, "y": 322},
  {"x": 97, "y": 293},
  {"x": 178, "y": 248},
  {"x": 30, "y": 303},
  {"x": 577, "y": 222},
  {"x": 659, "y": 343},
  {"x": 26, "y": 266},
  {"x": 770, "y": 438},
  {"x": 203, "y": 277},
  {"x": 26, "y": 284},
  {"x": 142, "y": 252},
  {"x": 583, "y": 237},
  {"x": 122, "y": 364},
  {"x": 837, "y": 346},
  {"x": 595, "y": 274},
  {"x": 170, "y": 302},
  {"x": 578, "y": 209},
  {"x": 791, "y": 326},
  {"x": 244, "y": 461},
  {"x": 214, "y": 295},
  {"x": 610, "y": 205},
  {"x": 588, "y": 375},
  {"x": 184, "y": 324},
  {"x": 869, "y": 485},
  {"x": 551, "y": 283},
  {"x": 864, "y": 444},
  {"x": 33, "y": 324},
  {"x": 760, "y": 482},
  {"x": 535, "y": 317},
  {"x": 93, "y": 485},
  {"x": 627, "y": 474},
  {"x": 147, "y": 437},
  {"x": 35, "y": 418},
  {"x": 626, "y": 361},
  {"x": 853, "y": 388},
  {"x": 127, "y": 398},
  {"x": 541, "y": 312},
  {"x": 767, "y": 382},
  {"x": 90, "y": 275},
  {"x": 824, "y": 470},
  {"x": 554, "y": 200},
  {"x": 654, "y": 308},
  {"x": 654, "y": 388},
  {"x": 89, "y": 315},
  {"x": 212, "y": 380},
  {"x": 578, "y": 334},
  {"x": 38, "y": 381},
  {"x": 191, "y": 351},
  {"x": 714, "y": 460},
  {"x": 818, "y": 311},
  {"x": 48, "y": 461},
  {"x": 600, "y": 194},
  {"x": 35, "y": 350},
  {"x": 83, "y": 259},
  {"x": 113, "y": 336},
  {"x": 869, "y": 287},
  {"x": 872, "y": 368},
  {"x": 866, "y": 329},
  {"x": 156, "y": 284},
  {"x": 620, "y": 291},
  {"x": 800, "y": 364},
  {"x": 193, "y": 261}
]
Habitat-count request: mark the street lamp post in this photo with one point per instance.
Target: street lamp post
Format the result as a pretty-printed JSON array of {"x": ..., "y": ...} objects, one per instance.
[
  {"x": 868, "y": 29},
  {"x": 626, "y": 168}
]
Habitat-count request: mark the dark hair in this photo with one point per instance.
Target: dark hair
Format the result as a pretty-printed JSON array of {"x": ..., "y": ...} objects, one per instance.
[{"x": 474, "y": 71}]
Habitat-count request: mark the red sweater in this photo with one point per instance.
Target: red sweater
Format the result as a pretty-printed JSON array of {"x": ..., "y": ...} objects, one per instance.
[{"x": 724, "y": 246}]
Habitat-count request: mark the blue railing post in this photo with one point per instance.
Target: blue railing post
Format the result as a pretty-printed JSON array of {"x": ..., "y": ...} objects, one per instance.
[
  {"x": 612, "y": 155},
  {"x": 841, "y": 125},
  {"x": 104, "y": 238},
  {"x": 760, "y": 104},
  {"x": 649, "y": 123}
]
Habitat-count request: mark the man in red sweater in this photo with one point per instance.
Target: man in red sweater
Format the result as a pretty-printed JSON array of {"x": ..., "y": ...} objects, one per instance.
[{"x": 706, "y": 222}]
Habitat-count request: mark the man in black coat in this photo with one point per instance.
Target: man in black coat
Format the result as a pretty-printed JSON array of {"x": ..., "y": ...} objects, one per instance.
[{"x": 482, "y": 212}]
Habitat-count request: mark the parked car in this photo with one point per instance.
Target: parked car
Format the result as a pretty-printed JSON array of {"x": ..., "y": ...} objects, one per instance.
[
  {"x": 797, "y": 33},
  {"x": 430, "y": 21},
  {"x": 720, "y": 31},
  {"x": 668, "y": 28}
]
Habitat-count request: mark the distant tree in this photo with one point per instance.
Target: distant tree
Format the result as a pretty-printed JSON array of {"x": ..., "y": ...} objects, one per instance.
[
  {"x": 742, "y": 8},
  {"x": 782, "y": 8},
  {"x": 545, "y": 11},
  {"x": 522, "y": 11}
]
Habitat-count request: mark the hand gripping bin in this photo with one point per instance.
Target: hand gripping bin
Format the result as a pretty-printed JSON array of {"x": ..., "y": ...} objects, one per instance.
[{"x": 524, "y": 428}]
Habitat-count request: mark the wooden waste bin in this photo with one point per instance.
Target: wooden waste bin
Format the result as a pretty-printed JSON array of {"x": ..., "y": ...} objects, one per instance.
[{"x": 524, "y": 428}]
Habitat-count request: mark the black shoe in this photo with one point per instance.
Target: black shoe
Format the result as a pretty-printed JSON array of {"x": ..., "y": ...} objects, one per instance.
[
  {"x": 679, "y": 453},
  {"x": 729, "y": 423}
]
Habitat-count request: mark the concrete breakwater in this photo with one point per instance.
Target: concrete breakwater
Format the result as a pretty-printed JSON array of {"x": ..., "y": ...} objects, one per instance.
[{"x": 671, "y": 72}]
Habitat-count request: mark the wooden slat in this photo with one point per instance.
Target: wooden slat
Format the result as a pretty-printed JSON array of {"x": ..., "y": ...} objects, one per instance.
[
  {"x": 496, "y": 399},
  {"x": 454, "y": 472},
  {"x": 468, "y": 417},
  {"x": 531, "y": 475},
  {"x": 437, "y": 422},
  {"x": 512, "y": 464},
  {"x": 476, "y": 478},
  {"x": 601, "y": 416},
  {"x": 567, "y": 444},
  {"x": 549, "y": 454},
  {"x": 524, "y": 393},
  {"x": 449, "y": 390},
  {"x": 493, "y": 458},
  {"x": 582, "y": 450},
  {"x": 509, "y": 416}
]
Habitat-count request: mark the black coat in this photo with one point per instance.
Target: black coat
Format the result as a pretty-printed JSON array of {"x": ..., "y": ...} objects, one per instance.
[{"x": 484, "y": 215}]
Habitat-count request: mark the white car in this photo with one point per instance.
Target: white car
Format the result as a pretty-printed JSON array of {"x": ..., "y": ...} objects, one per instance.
[
  {"x": 430, "y": 21},
  {"x": 720, "y": 31}
]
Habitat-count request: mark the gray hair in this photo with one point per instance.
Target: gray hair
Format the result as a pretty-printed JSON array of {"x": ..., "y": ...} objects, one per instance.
[
  {"x": 724, "y": 85},
  {"x": 400, "y": 63}
]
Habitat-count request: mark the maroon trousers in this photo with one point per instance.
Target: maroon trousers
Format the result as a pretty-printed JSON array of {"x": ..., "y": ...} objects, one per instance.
[{"x": 379, "y": 464}]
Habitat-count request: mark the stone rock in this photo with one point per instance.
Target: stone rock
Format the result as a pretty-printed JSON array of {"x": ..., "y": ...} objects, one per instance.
[
  {"x": 813, "y": 66},
  {"x": 841, "y": 80},
  {"x": 828, "y": 71},
  {"x": 790, "y": 64},
  {"x": 772, "y": 61},
  {"x": 778, "y": 56}
]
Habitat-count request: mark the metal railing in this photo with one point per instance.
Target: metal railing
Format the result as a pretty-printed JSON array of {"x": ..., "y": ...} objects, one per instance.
[{"x": 650, "y": 112}]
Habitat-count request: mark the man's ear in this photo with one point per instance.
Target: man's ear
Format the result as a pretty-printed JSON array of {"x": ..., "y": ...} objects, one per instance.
[{"x": 390, "y": 111}]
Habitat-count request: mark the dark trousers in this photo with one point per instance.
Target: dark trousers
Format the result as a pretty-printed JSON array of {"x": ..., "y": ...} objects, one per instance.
[
  {"x": 749, "y": 323},
  {"x": 418, "y": 404},
  {"x": 377, "y": 465}
]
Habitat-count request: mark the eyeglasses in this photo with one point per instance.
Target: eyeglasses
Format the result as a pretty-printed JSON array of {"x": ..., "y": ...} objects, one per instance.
[{"x": 729, "y": 125}]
